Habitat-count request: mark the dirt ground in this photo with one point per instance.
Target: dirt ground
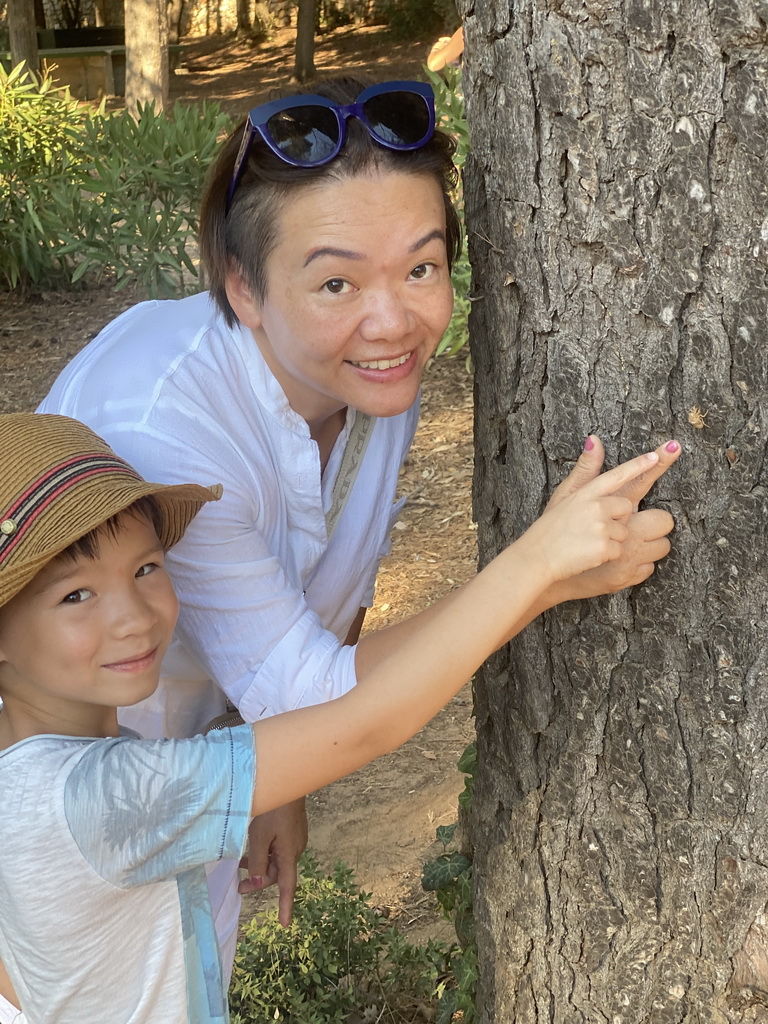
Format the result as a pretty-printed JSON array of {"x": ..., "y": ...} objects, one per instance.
[
  {"x": 239, "y": 74},
  {"x": 382, "y": 820}
]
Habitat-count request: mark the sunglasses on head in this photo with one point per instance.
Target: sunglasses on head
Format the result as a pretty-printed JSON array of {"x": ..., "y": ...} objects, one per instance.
[{"x": 308, "y": 131}]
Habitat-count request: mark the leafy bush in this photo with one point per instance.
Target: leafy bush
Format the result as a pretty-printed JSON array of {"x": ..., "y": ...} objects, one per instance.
[
  {"x": 338, "y": 956},
  {"x": 39, "y": 157},
  {"x": 450, "y": 116},
  {"x": 84, "y": 193},
  {"x": 143, "y": 181}
]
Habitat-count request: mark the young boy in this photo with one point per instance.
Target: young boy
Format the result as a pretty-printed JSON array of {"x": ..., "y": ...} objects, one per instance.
[{"x": 104, "y": 912}]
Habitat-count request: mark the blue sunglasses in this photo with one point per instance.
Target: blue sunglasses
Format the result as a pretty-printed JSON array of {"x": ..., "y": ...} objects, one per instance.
[{"x": 308, "y": 131}]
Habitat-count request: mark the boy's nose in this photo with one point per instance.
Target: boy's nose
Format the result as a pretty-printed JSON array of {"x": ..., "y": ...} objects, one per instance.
[{"x": 133, "y": 615}]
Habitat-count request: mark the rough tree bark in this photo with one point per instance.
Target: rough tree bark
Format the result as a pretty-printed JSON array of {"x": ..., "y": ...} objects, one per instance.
[
  {"x": 304, "y": 67},
  {"x": 617, "y": 208},
  {"x": 23, "y": 33},
  {"x": 146, "y": 53}
]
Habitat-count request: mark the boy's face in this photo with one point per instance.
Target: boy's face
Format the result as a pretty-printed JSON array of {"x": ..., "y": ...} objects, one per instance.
[{"x": 88, "y": 635}]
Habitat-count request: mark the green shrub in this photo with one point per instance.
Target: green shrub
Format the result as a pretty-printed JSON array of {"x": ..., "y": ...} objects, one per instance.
[
  {"x": 338, "y": 956},
  {"x": 143, "y": 181},
  {"x": 84, "y": 194},
  {"x": 450, "y": 116},
  {"x": 39, "y": 158}
]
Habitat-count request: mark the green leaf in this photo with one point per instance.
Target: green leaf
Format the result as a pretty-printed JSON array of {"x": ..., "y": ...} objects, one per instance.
[{"x": 443, "y": 870}]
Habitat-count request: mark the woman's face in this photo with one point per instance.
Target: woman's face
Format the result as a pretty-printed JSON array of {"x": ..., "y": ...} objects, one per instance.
[{"x": 358, "y": 294}]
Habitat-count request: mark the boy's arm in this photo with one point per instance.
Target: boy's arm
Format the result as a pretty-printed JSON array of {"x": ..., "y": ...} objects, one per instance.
[
  {"x": 409, "y": 673},
  {"x": 6, "y": 988}
]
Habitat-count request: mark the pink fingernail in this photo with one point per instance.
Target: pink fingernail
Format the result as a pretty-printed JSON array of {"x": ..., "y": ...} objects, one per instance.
[
  {"x": 671, "y": 447},
  {"x": 589, "y": 444},
  {"x": 257, "y": 881}
]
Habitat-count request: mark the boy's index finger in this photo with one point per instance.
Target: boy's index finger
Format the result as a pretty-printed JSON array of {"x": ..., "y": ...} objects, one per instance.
[
  {"x": 635, "y": 478},
  {"x": 637, "y": 488}
]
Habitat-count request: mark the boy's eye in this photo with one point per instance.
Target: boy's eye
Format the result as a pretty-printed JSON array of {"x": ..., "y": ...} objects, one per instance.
[
  {"x": 77, "y": 596},
  {"x": 145, "y": 570},
  {"x": 337, "y": 286}
]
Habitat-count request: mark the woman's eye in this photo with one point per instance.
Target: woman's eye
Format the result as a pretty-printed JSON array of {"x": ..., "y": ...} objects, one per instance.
[
  {"x": 337, "y": 286},
  {"x": 77, "y": 596},
  {"x": 423, "y": 270}
]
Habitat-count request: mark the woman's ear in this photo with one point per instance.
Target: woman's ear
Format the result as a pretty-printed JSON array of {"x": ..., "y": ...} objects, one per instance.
[{"x": 247, "y": 308}]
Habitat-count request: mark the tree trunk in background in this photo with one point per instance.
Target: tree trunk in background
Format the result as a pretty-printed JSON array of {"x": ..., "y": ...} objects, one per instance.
[
  {"x": 174, "y": 10},
  {"x": 305, "y": 40},
  {"x": 23, "y": 33},
  {"x": 243, "y": 17},
  {"x": 146, "y": 53},
  {"x": 617, "y": 208}
]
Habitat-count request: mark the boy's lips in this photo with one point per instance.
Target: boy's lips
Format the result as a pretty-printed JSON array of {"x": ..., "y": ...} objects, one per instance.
[{"x": 137, "y": 663}]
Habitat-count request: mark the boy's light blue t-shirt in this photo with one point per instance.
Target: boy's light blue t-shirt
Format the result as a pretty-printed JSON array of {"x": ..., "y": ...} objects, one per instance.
[{"x": 104, "y": 910}]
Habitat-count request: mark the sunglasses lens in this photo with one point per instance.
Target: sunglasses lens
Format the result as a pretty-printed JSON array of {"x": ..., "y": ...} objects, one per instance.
[
  {"x": 306, "y": 135},
  {"x": 398, "y": 118}
]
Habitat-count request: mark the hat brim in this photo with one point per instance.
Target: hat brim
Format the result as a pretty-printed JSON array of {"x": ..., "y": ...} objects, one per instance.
[{"x": 179, "y": 504}]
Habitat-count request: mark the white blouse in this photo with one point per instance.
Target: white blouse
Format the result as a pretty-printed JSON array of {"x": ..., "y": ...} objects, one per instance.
[{"x": 266, "y": 598}]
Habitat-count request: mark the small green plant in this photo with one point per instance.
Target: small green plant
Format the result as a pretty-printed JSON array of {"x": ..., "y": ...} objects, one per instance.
[
  {"x": 449, "y": 109},
  {"x": 449, "y": 876},
  {"x": 337, "y": 957}
]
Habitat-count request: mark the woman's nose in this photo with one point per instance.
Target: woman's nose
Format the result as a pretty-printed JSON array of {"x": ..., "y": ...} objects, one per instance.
[{"x": 387, "y": 317}]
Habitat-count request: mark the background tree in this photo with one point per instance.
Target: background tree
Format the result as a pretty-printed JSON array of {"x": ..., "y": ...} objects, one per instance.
[
  {"x": 175, "y": 11},
  {"x": 305, "y": 40},
  {"x": 243, "y": 10},
  {"x": 23, "y": 33},
  {"x": 146, "y": 53},
  {"x": 617, "y": 208}
]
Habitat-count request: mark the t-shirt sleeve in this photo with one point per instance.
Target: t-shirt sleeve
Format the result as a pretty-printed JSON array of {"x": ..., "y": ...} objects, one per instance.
[{"x": 145, "y": 810}]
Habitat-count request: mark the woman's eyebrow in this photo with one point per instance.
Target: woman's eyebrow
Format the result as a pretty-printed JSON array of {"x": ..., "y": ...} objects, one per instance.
[
  {"x": 350, "y": 254},
  {"x": 329, "y": 250},
  {"x": 436, "y": 234}
]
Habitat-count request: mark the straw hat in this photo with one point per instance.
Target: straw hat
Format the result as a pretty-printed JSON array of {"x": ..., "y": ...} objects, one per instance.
[{"x": 59, "y": 481}]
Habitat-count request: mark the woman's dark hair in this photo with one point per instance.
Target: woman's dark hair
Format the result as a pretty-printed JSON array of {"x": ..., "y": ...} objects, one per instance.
[{"x": 245, "y": 238}]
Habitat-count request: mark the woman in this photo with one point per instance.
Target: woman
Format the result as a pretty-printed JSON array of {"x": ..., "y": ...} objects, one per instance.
[{"x": 327, "y": 237}]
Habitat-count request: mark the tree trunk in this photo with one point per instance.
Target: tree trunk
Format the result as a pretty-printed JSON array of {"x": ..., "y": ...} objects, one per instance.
[
  {"x": 617, "y": 208},
  {"x": 23, "y": 33},
  {"x": 305, "y": 40},
  {"x": 146, "y": 53},
  {"x": 39, "y": 15},
  {"x": 174, "y": 12},
  {"x": 243, "y": 17}
]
